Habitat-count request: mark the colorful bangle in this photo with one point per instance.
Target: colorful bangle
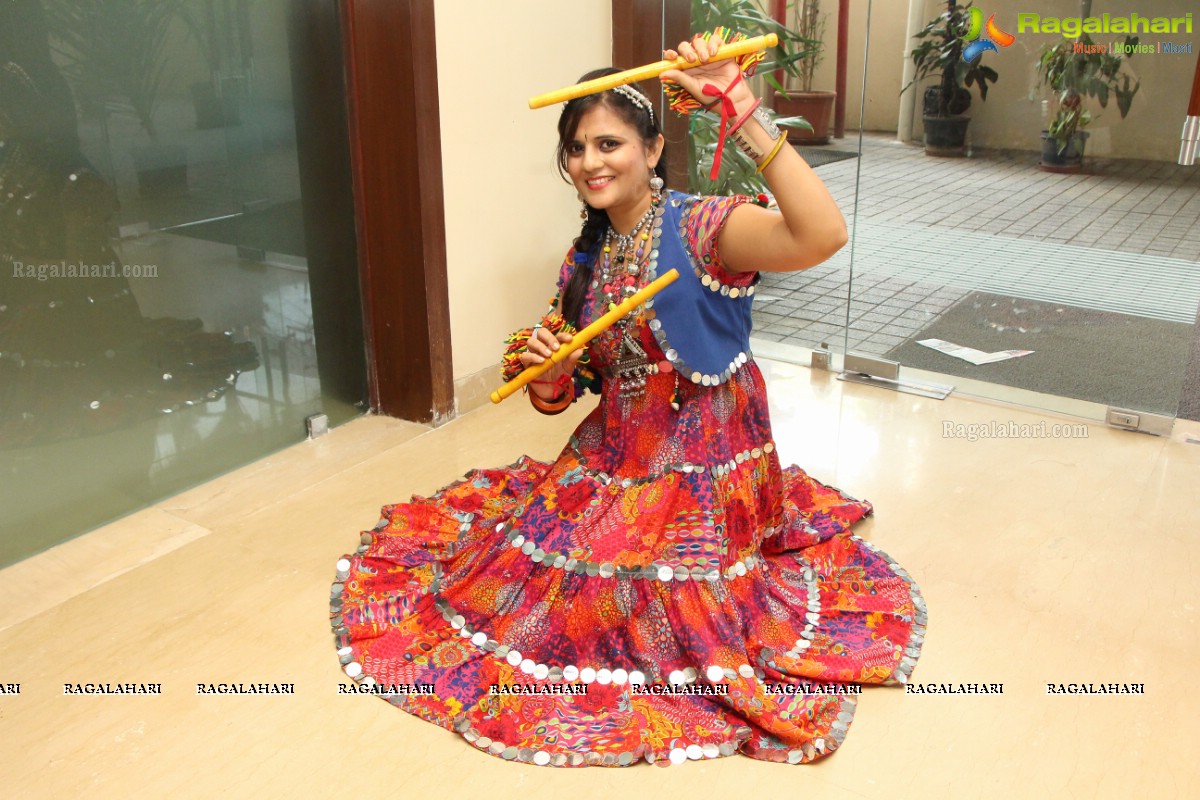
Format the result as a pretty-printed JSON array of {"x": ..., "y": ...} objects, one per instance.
[{"x": 778, "y": 146}]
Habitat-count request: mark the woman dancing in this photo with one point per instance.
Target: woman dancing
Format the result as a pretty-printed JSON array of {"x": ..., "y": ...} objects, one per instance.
[{"x": 664, "y": 590}]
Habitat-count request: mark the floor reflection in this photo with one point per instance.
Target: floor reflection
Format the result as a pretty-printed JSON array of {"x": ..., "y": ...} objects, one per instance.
[{"x": 135, "y": 362}]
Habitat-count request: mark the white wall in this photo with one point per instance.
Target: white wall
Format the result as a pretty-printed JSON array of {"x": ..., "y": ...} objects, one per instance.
[
  {"x": 887, "y": 37},
  {"x": 509, "y": 218}
]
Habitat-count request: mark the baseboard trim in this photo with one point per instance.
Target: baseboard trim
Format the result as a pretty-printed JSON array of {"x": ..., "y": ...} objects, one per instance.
[{"x": 474, "y": 391}]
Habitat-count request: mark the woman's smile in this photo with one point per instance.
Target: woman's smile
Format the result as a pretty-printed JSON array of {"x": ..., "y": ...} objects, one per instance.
[{"x": 610, "y": 166}]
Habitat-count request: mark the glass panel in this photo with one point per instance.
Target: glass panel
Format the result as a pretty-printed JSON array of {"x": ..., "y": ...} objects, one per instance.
[
  {"x": 1091, "y": 266},
  {"x": 156, "y": 316},
  {"x": 791, "y": 310},
  {"x": 1093, "y": 270},
  {"x": 808, "y": 310}
]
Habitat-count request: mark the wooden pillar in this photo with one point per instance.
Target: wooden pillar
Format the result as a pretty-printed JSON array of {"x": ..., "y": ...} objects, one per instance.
[
  {"x": 391, "y": 73},
  {"x": 843, "y": 39}
]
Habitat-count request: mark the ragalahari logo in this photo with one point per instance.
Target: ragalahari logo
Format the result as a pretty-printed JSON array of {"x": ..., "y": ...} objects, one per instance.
[{"x": 978, "y": 44}]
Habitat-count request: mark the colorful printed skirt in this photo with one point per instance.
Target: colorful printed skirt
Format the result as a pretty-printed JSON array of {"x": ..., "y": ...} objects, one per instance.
[{"x": 447, "y": 613}]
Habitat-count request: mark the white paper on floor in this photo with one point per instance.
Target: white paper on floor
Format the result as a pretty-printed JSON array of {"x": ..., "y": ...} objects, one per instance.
[{"x": 970, "y": 354}]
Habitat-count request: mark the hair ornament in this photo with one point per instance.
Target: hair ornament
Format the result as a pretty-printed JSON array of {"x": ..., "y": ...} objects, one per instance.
[{"x": 638, "y": 99}]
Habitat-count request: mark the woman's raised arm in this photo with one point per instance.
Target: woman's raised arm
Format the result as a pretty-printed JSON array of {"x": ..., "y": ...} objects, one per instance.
[{"x": 809, "y": 227}]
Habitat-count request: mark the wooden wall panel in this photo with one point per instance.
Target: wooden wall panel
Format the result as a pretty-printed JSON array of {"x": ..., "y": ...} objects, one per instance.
[
  {"x": 391, "y": 65},
  {"x": 640, "y": 30}
]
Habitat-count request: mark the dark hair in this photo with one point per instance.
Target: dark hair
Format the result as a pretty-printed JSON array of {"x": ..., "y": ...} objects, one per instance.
[{"x": 588, "y": 242}]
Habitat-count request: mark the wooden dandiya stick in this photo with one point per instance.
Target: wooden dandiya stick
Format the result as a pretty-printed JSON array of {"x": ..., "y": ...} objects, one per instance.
[
  {"x": 650, "y": 71},
  {"x": 581, "y": 339}
]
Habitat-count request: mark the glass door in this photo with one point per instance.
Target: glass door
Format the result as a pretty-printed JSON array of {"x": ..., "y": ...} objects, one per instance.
[
  {"x": 1001, "y": 264},
  {"x": 158, "y": 324}
]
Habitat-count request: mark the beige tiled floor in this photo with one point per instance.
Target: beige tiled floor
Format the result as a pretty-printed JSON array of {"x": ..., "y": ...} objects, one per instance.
[{"x": 1042, "y": 561}]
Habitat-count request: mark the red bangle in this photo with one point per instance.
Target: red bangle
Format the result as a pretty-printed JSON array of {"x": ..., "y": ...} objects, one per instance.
[
  {"x": 555, "y": 406},
  {"x": 742, "y": 120}
]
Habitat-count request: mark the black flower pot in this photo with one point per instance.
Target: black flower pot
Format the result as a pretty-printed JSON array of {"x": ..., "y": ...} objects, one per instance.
[
  {"x": 946, "y": 136},
  {"x": 1063, "y": 159}
]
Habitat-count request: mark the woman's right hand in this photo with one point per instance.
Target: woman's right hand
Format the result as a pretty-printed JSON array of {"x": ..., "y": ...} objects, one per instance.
[
  {"x": 542, "y": 344},
  {"x": 719, "y": 74}
]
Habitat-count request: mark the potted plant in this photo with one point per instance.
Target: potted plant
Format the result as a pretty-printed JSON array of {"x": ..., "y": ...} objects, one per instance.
[
  {"x": 945, "y": 104},
  {"x": 116, "y": 55},
  {"x": 738, "y": 174},
  {"x": 797, "y": 97},
  {"x": 1074, "y": 70}
]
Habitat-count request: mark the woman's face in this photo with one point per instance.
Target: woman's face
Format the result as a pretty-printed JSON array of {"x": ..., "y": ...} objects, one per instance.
[{"x": 611, "y": 166}]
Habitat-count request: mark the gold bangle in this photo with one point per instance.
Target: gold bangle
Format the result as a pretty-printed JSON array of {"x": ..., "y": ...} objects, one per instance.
[{"x": 778, "y": 146}]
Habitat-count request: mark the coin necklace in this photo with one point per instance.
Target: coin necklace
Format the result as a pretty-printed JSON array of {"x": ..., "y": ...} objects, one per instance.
[{"x": 624, "y": 256}]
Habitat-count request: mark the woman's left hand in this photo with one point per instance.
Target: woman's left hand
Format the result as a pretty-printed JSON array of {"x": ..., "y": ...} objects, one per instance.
[{"x": 718, "y": 74}]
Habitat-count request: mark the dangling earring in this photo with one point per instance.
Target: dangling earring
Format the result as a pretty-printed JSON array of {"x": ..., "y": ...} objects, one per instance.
[
  {"x": 656, "y": 183},
  {"x": 583, "y": 211}
]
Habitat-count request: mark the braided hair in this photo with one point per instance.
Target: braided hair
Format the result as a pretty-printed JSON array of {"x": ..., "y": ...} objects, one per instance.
[{"x": 587, "y": 244}]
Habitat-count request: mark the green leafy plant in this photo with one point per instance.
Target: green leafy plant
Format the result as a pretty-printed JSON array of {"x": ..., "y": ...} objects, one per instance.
[
  {"x": 115, "y": 52},
  {"x": 810, "y": 28},
  {"x": 940, "y": 53},
  {"x": 748, "y": 17},
  {"x": 1075, "y": 69},
  {"x": 737, "y": 171}
]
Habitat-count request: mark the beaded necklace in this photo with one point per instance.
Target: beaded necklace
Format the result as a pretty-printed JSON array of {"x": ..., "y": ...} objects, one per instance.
[
  {"x": 623, "y": 261},
  {"x": 621, "y": 264}
]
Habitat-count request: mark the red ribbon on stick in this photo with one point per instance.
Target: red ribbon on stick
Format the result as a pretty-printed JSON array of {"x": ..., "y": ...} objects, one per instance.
[{"x": 727, "y": 111}]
